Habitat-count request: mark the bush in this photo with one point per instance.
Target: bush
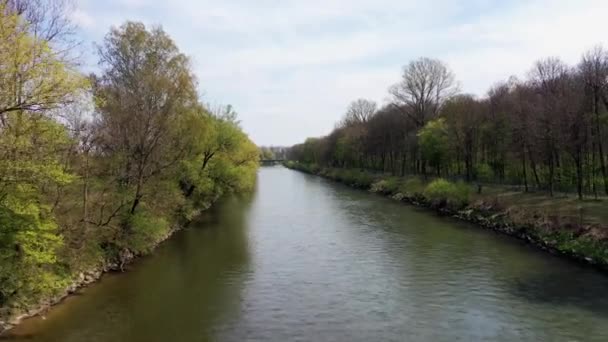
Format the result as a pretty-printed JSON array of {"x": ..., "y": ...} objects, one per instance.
[
  {"x": 386, "y": 186},
  {"x": 363, "y": 180},
  {"x": 356, "y": 178},
  {"x": 412, "y": 186},
  {"x": 455, "y": 196}
]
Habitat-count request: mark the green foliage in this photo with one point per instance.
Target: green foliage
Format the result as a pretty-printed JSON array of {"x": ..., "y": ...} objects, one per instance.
[
  {"x": 357, "y": 178},
  {"x": 220, "y": 159},
  {"x": 76, "y": 195},
  {"x": 412, "y": 186},
  {"x": 146, "y": 230},
  {"x": 308, "y": 168},
  {"x": 484, "y": 173},
  {"x": 433, "y": 140},
  {"x": 455, "y": 195},
  {"x": 31, "y": 68},
  {"x": 30, "y": 169},
  {"x": 266, "y": 154}
]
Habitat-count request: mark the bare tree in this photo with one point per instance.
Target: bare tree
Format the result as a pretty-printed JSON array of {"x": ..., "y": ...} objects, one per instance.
[
  {"x": 48, "y": 19},
  {"x": 549, "y": 76},
  {"x": 425, "y": 86},
  {"x": 594, "y": 70},
  {"x": 359, "y": 111}
]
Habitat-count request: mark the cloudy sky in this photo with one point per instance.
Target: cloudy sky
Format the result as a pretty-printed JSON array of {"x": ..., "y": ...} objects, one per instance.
[{"x": 290, "y": 67}]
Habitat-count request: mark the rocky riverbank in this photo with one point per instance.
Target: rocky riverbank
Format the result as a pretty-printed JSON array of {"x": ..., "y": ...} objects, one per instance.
[{"x": 586, "y": 243}]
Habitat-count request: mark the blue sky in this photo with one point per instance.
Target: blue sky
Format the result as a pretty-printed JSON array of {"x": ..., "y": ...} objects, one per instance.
[{"x": 290, "y": 67}]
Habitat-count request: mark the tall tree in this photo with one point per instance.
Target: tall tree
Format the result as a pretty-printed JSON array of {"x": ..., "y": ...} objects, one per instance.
[
  {"x": 145, "y": 86},
  {"x": 425, "y": 86},
  {"x": 594, "y": 70}
]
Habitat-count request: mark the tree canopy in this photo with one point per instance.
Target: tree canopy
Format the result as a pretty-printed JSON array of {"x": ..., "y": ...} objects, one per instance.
[{"x": 94, "y": 169}]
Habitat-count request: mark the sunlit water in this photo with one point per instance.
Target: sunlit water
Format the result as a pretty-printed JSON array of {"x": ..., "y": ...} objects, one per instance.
[{"x": 304, "y": 259}]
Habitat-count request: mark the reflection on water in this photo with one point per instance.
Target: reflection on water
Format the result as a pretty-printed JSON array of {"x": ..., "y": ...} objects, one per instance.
[{"x": 307, "y": 260}]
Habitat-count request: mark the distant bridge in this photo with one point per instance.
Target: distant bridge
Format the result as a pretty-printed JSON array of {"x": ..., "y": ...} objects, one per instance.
[{"x": 271, "y": 161}]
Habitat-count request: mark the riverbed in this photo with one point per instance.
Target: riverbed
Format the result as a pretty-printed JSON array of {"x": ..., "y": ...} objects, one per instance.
[{"x": 305, "y": 259}]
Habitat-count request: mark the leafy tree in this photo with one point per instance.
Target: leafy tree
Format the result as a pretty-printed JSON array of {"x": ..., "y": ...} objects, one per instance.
[
  {"x": 33, "y": 77},
  {"x": 145, "y": 86},
  {"x": 434, "y": 143}
]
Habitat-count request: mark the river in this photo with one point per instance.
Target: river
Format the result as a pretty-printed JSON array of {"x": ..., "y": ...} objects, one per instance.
[{"x": 305, "y": 259}]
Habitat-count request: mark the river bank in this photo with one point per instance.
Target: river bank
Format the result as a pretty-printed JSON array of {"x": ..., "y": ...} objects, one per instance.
[
  {"x": 15, "y": 315},
  {"x": 564, "y": 235}
]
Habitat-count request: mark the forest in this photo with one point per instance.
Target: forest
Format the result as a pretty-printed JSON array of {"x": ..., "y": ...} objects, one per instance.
[
  {"x": 542, "y": 133},
  {"x": 97, "y": 168}
]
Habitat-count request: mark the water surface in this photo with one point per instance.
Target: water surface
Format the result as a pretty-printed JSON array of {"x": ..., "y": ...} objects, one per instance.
[{"x": 304, "y": 259}]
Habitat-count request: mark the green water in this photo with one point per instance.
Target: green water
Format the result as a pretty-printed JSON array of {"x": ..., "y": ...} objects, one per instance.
[{"x": 304, "y": 259}]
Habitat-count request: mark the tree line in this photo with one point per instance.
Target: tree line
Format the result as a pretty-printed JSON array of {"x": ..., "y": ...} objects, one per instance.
[
  {"x": 96, "y": 167},
  {"x": 273, "y": 152},
  {"x": 545, "y": 132}
]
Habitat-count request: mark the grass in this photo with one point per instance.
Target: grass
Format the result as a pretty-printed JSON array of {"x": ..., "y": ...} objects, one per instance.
[{"x": 586, "y": 211}]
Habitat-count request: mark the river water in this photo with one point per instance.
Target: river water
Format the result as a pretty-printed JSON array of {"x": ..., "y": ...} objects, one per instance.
[{"x": 305, "y": 259}]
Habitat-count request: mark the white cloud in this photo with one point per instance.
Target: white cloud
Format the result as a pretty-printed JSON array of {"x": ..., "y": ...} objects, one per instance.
[{"x": 291, "y": 67}]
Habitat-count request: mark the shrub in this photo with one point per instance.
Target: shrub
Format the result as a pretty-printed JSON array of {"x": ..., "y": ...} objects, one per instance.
[
  {"x": 386, "y": 186},
  {"x": 363, "y": 180},
  {"x": 455, "y": 196},
  {"x": 412, "y": 186}
]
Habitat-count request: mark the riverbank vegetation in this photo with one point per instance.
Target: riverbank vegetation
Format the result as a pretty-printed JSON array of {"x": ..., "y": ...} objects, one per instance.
[
  {"x": 532, "y": 150},
  {"x": 544, "y": 133},
  {"x": 97, "y": 169}
]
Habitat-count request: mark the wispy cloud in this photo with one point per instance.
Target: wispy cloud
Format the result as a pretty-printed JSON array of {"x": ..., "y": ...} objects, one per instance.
[{"x": 291, "y": 67}]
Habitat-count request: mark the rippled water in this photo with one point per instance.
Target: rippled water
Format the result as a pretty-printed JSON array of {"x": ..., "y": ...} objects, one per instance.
[{"x": 304, "y": 259}]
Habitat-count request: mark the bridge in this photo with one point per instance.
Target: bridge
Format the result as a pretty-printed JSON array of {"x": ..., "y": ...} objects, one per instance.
[{"x": 271, "y": 161}]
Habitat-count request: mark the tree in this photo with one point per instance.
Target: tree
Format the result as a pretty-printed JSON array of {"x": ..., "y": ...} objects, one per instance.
[
  {"x": 34, "y": 78},
  {"x": 433, "y": 138},
  {"x": 545, "y": 132},
  {"x": 146, "y": 85},
  {"x": 32, "y": 145},
  {"x": 594, "y": 70},
  {"x": 549, "y": 76},
  {"x": 463, "y": 115},
  {"x": 209, "y": 136},
  {"x": 359, "y": 111},
  {"x": 425, "y": 86}
]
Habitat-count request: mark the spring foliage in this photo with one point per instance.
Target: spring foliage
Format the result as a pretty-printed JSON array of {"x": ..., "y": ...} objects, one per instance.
[{"x": 80, "y": 189}]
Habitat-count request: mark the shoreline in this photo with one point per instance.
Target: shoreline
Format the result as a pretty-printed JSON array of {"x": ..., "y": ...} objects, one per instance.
[
  {"x": 498, "y": 221},
  {"x": 82, "y": 280}
]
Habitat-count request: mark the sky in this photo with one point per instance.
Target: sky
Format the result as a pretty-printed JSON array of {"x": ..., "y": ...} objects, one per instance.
[{"x": 291, "y": 67}]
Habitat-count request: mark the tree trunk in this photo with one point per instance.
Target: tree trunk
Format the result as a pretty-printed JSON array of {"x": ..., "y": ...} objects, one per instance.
[
  {"x": 601, "y": 151},
  {"x": 533, "y": 164},
  {"x": 579, "y": 174},
  {"x": 523, "y": 166}
]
